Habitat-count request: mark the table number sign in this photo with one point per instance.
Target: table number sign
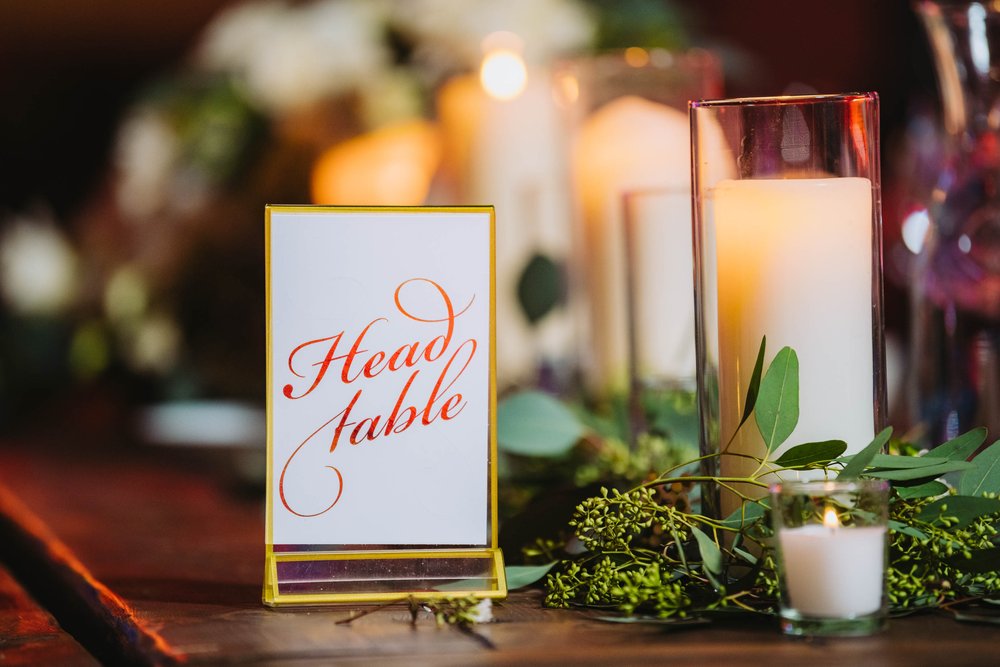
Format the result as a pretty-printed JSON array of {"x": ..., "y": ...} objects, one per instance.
[{"x": 381, "y": 404}]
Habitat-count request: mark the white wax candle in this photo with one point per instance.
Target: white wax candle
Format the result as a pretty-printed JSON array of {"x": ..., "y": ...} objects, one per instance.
[
  {"x": 511, "y": 153},
  {"x": 661, "y": 266},
  {"x": 794, "y": 263},
  {"x": 390, "y": 166},
  {"x": 833, "y": 572},
  {"x": 628, "y": 144}
]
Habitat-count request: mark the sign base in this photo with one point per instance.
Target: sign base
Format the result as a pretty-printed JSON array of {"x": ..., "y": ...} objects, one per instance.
[{"x": 304, "y": 577}]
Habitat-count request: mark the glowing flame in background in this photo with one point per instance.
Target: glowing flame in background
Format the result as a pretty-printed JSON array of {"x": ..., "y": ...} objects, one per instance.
[{"x": 503, "y": 73}]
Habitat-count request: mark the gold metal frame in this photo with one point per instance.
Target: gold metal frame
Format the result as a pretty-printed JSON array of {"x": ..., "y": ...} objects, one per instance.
[{"x": 489, "y": 552}]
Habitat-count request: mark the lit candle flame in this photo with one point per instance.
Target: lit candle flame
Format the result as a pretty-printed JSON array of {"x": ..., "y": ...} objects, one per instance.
[
  {"x": 830, "y": 519},
  {"x": 503, "y": 74}
]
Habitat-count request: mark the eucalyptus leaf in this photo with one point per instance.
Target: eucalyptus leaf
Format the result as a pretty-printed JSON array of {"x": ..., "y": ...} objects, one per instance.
[
  {"x": 962, "y": 447},
  {"x": 673, "y": 413},
  {"x": 541, "y": 287},
  {"x": 897, "y": 462},
  {"x": 965, "y": 509},
  {"x": 985, "y": 474},
  {"x": 982, "y": 617},
  {"x": 857, "y": 463},
  {"x": 811, "y": 453},
  {"x": 532, "y": 423},
  {"x": 926, "y": 490},
  {"x": 758, "y": 368},
  {"x": 519, "y": 576},
  {"x": 979, "y": 561},
  {"x": 711, "y": 555},
  {"x": 777, "y": 407},
  {"x": 653, "y": 620},
  {"x": 927, "y": 472},
  {"x": 744, "y": 515},
  {"x": 906, "y": 529}
]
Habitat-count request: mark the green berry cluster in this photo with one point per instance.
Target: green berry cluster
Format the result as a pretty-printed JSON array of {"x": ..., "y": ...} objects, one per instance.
[{"x": 943, "y": 560}]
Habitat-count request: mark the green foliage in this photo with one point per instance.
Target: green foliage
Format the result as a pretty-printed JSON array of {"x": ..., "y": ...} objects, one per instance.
[
  {"x": 541, "y": 287},
  {"x": 962, "y": 447},
  {"x": 856, "y": 464},
  {"x": 985, "y": 476},
  {"x": 754, "y": 388},
  {"x": 625, "y": 23},
  {"x": 777, "y": 408},
  {"x": 462, "y": 612},
  {"x": 519, "y": 576},
  {"x": 811, "y": 455},
  {"x": 937, "y": 556},
  {"x": 644, "y": 554},
  {"x": 545, "y": 445},
  {"x": 535, "y": 424}
]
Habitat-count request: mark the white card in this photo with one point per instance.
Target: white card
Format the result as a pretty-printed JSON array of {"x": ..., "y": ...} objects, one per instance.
[{"x": 380, "y": 376}]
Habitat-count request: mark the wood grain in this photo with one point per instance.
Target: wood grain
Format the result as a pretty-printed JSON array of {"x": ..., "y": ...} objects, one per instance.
[
  {"x": 184, "y": 552},
  {"x": 30, "y": 636}
]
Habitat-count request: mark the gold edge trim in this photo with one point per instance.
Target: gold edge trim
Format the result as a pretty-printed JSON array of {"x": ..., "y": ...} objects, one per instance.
[
  {"x": 493, "y": 462},
  {"x": 501, "y": 572},
  {"x": 290, "y": 599},
  {"x": 299, "y": 556},
  {"x": 316, "y": 208},
  {"x": 270, "y": 577},
  {"x": 269, "y": 378}
]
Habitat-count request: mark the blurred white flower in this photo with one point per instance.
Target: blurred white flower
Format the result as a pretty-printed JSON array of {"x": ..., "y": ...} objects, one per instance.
[
  {"x": 289, "y": 57},
  {"x": 482, "y": 612},
  {"x": 38, "y": 267},
  {"x": 155, "y": 345},
  {"x": 230, "y": 40},
  {"x": 146, "y": 154},
  {"x": 453, "y": 32}
]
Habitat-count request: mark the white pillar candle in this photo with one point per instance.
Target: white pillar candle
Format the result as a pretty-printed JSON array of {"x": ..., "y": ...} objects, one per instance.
[
  {"x": 833, "y": 572},
  {"x": 794, "y": 263}
]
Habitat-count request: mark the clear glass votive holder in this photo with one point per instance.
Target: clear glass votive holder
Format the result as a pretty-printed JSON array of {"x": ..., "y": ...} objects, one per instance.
[{"x": 831, "y": 554}]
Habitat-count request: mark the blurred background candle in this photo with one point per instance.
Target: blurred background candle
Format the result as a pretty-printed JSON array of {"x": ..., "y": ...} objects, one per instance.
[
  {"x": 391, "y": 166},
  {"x": 629, "y": 144},
  {"x": 504, "y": 145},
  {"x": 632, "y": 134}
]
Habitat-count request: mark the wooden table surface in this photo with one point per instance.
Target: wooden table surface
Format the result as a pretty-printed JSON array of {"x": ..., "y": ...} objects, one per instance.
[{"x": 146, "y": 560}]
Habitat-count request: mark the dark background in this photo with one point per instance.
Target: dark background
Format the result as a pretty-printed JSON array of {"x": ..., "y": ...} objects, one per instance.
[{"x": 68, "y": 68}]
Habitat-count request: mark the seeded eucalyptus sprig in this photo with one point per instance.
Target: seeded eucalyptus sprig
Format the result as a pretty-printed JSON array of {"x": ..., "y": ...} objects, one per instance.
[{"x": 641, "y": 554}]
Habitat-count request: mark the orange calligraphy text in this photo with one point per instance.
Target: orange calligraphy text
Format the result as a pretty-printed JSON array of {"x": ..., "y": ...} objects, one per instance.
[{"x": 355, "y": 362}]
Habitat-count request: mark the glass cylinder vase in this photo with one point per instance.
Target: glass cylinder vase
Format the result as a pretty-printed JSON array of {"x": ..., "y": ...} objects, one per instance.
[
  {"x": 787, "y": 222},
  {"x": 955, "y": 286}
]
